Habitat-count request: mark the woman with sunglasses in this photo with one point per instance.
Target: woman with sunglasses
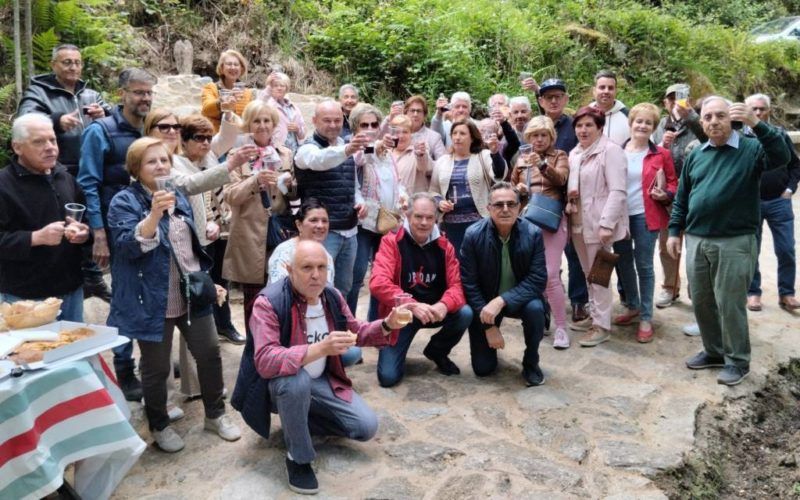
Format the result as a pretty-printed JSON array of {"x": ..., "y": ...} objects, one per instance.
[
  {"x": 462, "y": 179},
  {"x": 380, "y": 188}
]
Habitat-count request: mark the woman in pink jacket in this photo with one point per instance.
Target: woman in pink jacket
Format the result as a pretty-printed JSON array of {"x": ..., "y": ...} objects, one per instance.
[
  {"x": 651, "y": 187},
  {"x": 597, "y": 204},
  {"x": 290, "y": 131}
]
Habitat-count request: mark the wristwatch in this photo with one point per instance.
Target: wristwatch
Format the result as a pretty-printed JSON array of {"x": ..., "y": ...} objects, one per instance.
[{"x": 386, "y": 328}]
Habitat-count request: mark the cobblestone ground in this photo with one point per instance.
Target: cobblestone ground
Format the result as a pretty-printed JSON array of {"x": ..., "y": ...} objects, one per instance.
[{"x": 604, "y": 422}]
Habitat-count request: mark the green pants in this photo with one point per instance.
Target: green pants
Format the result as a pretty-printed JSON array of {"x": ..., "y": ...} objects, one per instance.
[{"x": 719, "y": 271}]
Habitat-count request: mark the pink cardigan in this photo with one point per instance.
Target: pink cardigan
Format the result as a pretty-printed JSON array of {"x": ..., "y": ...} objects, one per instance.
[{"x": 601, "y": 175}]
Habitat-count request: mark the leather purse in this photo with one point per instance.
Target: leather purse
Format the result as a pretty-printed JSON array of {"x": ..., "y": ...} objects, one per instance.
[
  {"x": 603, "y": 265},
  {"x": 542, "y": 210},
  {"x": 387, "y": 220}
]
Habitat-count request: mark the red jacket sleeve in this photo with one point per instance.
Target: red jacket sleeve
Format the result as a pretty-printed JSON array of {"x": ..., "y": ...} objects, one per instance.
[{"x": 453, "y": 296}]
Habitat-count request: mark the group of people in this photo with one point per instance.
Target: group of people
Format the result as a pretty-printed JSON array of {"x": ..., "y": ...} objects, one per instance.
[{"x": 464, "y": 222}]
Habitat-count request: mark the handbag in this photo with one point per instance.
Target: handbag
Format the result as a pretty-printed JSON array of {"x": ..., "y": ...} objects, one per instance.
[
  {"x": 280, "y": 228},
  {"x": 388, "y": 220},
  {"x": 542, "y": 210},
  {"x": 603, "y": 265},
  {"x": 197, "y": 288}
]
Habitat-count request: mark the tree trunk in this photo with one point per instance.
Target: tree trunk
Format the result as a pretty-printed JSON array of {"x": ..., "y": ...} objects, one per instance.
[
  {"x": 29, "y": 37},
  {"x": 17, "y": 51}
]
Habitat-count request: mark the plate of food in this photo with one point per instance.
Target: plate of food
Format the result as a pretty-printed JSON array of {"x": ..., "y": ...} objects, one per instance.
[
  {"x": 29, "y": 313},
  {"x": 72, "y": 341}
]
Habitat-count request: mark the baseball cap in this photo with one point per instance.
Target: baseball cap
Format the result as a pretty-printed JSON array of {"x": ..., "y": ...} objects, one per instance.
[
  {"x": 551, "y": 84},
  {"x": 672, "y": 89}
]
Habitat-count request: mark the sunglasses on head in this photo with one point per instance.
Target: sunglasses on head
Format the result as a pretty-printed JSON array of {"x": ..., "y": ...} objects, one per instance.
[
  {"x": 201, "y": 138},
  {"x": 166, "y": 127}
]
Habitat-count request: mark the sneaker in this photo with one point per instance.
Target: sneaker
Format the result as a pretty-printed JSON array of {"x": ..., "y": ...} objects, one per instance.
[
  {"x": 168, "y": 440},
  {"x": 644, "y": 336},
  {"x": 626, "y": 318},
  {"x": 692, "y": 330},
  {"x": 666, "y": 298},
  {"x": 301, "y": 478},
  {"x": 533, "y": 377},
  {"x": 582, "y": 325},
  {"x": 175, "y": 413},
  {"x": 753, "y": 303},
  {"x": 701, "y": 361},
  {"x": 732, "y": 375},
  {"x": 789, "y": 303},
  {"x": 224, "y": 427},
  {"x": 444, "y": 364},
  {"x": 594, "y": 336},
  {"x": 561, "y": 339}
]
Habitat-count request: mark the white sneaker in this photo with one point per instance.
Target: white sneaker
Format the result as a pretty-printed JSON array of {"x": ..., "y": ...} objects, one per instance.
[
  {"x": 224, "y": 427},
  {"x": 561, "y": 339},
  {"x": 175, "y": 413},
  {"x": 168, "y": 440},
  {"x": 692, "y": 330},
  {"x": 665, "y": 298}
]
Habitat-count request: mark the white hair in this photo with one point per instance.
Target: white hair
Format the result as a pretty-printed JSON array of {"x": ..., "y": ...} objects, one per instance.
[
  {"x": 20, "y": 130},
  {"x": 759, "y": 97},
  {"x": 715, "y": 98},
  {"x": 461, "y": 96},
  {"x": 347, "y": 86},
  {"x": 504, "y": 96},
  {"x": 520, "y": 99}
]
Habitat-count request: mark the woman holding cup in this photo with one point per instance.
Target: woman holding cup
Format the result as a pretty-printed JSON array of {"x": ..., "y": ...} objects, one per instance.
[
  {"x": 411, "y": 158},
  {"x": 155, "y": 242},
  {"x": 543, "y": 170},
  {"x": 423, "y": 138},
  {"x": 461, "y": 180},
  {"x": 291, "y": 129},
  {"x": 225, "y": 95}
]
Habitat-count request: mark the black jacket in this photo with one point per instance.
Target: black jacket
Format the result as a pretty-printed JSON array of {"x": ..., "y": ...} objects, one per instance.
[
  {"x": 45, "y": 95},
  {"x": 480, "y": 264},
  {"x": 28, "y": 202},
  {"x": 777, "y": 180}
]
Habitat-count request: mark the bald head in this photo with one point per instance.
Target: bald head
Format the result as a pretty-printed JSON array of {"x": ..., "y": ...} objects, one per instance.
[
  {"x": 328, "y": 120},
  {"x": 308, "y": 271}
]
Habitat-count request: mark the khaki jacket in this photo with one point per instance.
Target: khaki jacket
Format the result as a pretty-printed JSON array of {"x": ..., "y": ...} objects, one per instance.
[
  {"x": 479, "y": 170},
  {"x": 552, "y": 183}
]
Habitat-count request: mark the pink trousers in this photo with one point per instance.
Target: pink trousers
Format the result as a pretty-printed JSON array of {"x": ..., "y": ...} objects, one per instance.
[
  {"x": 554, "y": 244},
  {"x": 600, "y": 298}
]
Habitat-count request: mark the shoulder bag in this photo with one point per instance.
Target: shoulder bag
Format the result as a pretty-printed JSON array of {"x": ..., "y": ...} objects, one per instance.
[{"x": 542, "y": 210}]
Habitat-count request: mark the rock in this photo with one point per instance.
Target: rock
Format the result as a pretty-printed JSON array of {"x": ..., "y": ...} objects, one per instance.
[
  {"x": 427, "y": 457},
  {"x": 595, "y": 367},
  {"x": 538, "y": 470},
  {"x": 616, "y": 427},
  {"x": 394, "y": 488},
  {"x": 389, "y": 428},
  {"x": 542, "y": 398},
  {"x": 789, "y": 460},
  {"x": 491, "y": 416},
  {"x": 635, "y": 456},
  {"x": 420, "y": 414},
  {"x": 426, "y": 390},
  {"x": 268, "y": 480},
  {"x": 625, "y": 405},
  {"x": 184, "y": 57},
  {"x": 568, "y": 439},
  {"x": 453, "y": 431},
  {"x": 459, "y": 487},
  {"x": 336, "y": 459}
]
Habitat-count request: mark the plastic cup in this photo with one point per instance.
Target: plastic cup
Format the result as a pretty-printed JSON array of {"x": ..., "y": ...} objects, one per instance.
[
  {"x": 165, "y": 183},
  {"x": 681, "y": 95},
  {"x": 75, "y": 211},
  {"x": 404, "y": 316}
]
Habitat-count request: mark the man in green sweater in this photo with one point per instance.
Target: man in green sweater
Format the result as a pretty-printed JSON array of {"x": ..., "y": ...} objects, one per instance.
[{"x": 717, "y": 207}]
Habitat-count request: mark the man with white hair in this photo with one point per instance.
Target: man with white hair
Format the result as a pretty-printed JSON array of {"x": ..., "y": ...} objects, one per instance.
[
  {"x": 520, "y": 115},
  {"x": 777, "y": 187},
  {"x": 348, "y": 98},
  {"x": 717, "y": 209},
  {"x": 40, "y": 244},
  {"x": 460, "y": 109}
]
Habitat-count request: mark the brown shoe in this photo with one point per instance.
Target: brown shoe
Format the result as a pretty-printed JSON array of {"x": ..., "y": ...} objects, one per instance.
[
  {"x": 594, "y": 336},
  {"x": 753, "y": 303},
  {"x": 579, "y": 313},
  {"x": 789, "y": 303}
]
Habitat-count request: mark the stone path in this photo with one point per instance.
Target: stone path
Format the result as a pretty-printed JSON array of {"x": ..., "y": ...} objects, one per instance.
[{"x": 606, "y": 420}]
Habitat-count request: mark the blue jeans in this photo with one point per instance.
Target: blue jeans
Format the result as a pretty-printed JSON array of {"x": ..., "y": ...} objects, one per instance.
[
  {"x": 780, "y": 218},
  {"x": 343, "y": 251},
  {"x": 368, "y": 243},
  {"x": 484, "y": 358},
  {"x": 576, "y": 284},
  {"x": 392, "y": 359},
  {"x": 637, "y": 252},
  {"x": 71, "y": 307}
]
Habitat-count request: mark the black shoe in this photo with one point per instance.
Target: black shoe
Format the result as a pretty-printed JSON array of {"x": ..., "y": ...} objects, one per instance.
[
  {"x": 301, "y": 478},
  {"x": 443, "y": 363},
  {"x": 732, "y": 375},
  {"x": 96, "y": 287},
  {"x": 701, "y": 361},
  {"x": 533, "y": 377},
  {"x": 130, "y": 385},
  {"x": 231, "y": 335},
  {"x": 579, "y": 313}
]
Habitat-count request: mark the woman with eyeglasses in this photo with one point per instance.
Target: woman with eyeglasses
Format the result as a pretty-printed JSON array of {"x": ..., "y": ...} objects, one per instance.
[
  {"x": 291, "y": 129},
  {"x": 416, "y": 109},
  {"x": 598, "y": 211},
  {"x": 462, "y": 178},
  {"x": 260, "y": 191},
  {"x": 380, "y": 188},
  {"x": 230, "y": 93}
]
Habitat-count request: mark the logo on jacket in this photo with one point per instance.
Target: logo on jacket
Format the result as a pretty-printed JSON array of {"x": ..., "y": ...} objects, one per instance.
[{"x": 421, "y": 278}]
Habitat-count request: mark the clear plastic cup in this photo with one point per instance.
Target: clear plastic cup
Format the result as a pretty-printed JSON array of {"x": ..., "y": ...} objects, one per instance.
[
  {"x": 404, "y": 316},
  {"x": 75, "y": 211}
]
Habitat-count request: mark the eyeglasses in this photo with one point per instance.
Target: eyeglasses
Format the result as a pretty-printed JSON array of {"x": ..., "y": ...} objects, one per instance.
[
  {"x": 166, "y": 127},
  {"x": 201, "y": 138},
  {"x": 500, "y": 205},
  {"x": 141, "y": 93},
  {"x": 68, "y": 63},
  {"x": 374, "y": 125},
  {"x": 415, "y": 111},
  {"x": 758, "y": 108}
]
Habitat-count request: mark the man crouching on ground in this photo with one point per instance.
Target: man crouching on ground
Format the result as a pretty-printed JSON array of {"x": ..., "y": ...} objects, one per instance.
[{"x": 308, "y": 387}]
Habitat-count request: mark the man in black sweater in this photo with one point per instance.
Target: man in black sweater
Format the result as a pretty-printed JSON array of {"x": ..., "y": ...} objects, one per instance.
[
  {"x": 777, "y": 187},
  {"x": 40, "y": 247}
]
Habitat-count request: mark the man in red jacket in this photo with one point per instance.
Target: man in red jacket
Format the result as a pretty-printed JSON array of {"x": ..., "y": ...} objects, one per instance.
[{"x": 418, "y": 261}]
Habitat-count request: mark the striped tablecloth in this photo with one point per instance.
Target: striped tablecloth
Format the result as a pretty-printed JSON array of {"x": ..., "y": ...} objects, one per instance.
[{"x": 71, "y": 414}]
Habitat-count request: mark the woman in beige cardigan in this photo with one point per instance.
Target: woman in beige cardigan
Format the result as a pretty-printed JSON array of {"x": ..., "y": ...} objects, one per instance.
[
  {"x": 597, "y": 203},
  {"x": 247, "y": 254},
  {"x": 462, "y": 178}
]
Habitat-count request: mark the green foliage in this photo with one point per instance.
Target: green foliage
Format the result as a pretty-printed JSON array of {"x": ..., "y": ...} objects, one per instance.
[
  {"x": 43, "y": 44},
  {"x": 6, "y": 98}
]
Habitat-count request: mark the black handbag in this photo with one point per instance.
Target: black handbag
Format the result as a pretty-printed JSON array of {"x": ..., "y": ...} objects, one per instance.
[
  {"x": 279, "y": 229},
  {"x": 197, "y": 288},
  {"x": 542, "y": 210}
]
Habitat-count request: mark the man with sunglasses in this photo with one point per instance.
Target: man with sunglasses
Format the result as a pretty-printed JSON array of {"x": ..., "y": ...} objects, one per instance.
[
  {"x": 503, "y": 272},
  {"x": 102, "y": 174}
]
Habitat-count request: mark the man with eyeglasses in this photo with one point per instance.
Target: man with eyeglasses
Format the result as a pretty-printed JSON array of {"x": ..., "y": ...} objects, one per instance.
[
  {"x": 503, "y": 273},
  {"x": 102, "y": 174},
  {"x": 71, "y": 106},
  {"x": 777, "y": 187}
]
